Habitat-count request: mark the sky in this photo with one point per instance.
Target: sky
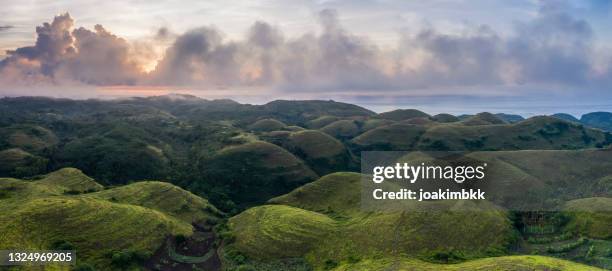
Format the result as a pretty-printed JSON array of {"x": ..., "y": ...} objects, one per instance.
[{"x": 458, "y": 56}]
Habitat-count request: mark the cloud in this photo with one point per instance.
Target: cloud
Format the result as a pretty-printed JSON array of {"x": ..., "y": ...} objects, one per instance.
[
  {"x": 62, "y": 54},
  {"x": 551, "y": 49}
]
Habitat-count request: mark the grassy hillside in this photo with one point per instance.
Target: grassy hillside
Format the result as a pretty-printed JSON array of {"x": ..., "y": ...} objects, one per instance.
[
  {"x": 111, "y": 229},
  {"x": 336, "y": 193},
  {"x": 444, "y": 118},
  {"x": 482, "y": 132},
  {"x": 267, "y": 125},
  {"x": 94, "y": 227},
  {"x": 591, "y": 217},
  {"x": 342, "y": 129},
  {"x": 601, "y": 120},
  {"x": 322, "y": 152},
  {"x": 19, "y": 163},
  {"x": 253, "y": 172},
  {"x": 336, "y": 196},
  {"x": 163, "y": 197},
  {"x": 370, "y": 124},
  {"x": 320, "y": 122},
  {"x": 32, "y": 138},
  {"x": 533, "y": 133},
  {"x": 277, "y": 231},
  {"x": 60, "y": 182},
  {"x": 390, "y": 137},
  {"x": 484, "y": 118},
  {"x": 507, "y": 263},
  {"x": 402, "y": 114},
  {"x": 71, "y": 180}
]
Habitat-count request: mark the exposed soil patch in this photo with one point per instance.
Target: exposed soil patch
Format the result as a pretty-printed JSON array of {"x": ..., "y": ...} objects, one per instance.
[{"x": 197, "y": 252}]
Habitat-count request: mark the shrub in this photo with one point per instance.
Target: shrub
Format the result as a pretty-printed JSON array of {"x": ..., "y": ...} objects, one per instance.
[
  {"x": 330, "y": 264},
  {"x": 125, "y": 258},
  {"x": 62, "y": 245},
  {"x": 180, "y": 238},
  {"x": 83, "y": 267},
  {"x": 567, "y": 247}
]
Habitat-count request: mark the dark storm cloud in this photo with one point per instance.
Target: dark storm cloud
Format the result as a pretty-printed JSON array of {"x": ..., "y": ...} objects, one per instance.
[{"x": 553, "y": 48}]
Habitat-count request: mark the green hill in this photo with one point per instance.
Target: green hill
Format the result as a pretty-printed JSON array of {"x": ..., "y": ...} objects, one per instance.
[
  {"x": 253, "y": 172},
  {"x": 533, "y": 133},
  {"x": 32, "y": 138},
  {"x": 312, "y": 109},
  {"x": 356, "y": 234},
  {"x": 336, "y": 193},
  {"x": 591, "y": 217},
  {"x": 370, "y": 124},
  {"x": 111, "y": 229},
  {"x": 163, "y": 197},
  {"x": 565, "y": 116},
  {"x": 96, "y": 228},
  {"x": 276, "y": 231},
  {"x": 601, "y": 120},
  {"x": 320, "y": 122},
  {"x": 390, "y": 137},
  {"x": 16, "y": 162},
  {"x": 510, "y": 118},
  {"x": 60, "y": 182},
  {"x": 267, "y": 125},
  {"x": 71, "y": 180},
  {"x": 402, "y": 114},
  {"x": 506, "y": 263},
  {"x": 444, "y": 118},
  {"x": 484, "y": 118},
  {"x": 322, "y": 152},
  {"x": 342, "y": 129}
]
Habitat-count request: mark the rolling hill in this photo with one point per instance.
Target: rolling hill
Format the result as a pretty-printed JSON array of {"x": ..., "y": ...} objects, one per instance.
[{"x": 132, "y": 221}]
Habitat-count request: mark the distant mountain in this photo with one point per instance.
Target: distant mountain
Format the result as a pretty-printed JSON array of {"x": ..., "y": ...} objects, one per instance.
[
  {"x": 510, "y": 118},
  {"x": 565, "y": 116},
  {"x": 601, "y": 120},
  {"x": 402, "y": 114}
]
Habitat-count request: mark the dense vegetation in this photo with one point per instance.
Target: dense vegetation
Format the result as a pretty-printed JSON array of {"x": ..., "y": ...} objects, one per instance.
[{"x": 141, "y": 182}]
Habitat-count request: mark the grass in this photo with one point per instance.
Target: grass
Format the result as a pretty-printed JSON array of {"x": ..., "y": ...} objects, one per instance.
[
  {"x": 591, "y": 217},
  {"x": 95, "y": 227},
  {"x": 254, "y": 172},
  {"x": 31, "y": 138},
  {"x": 402, "y": 114},
  {"x": 375, "y": 123},
  {"x": 321, "y": 122},
  {"x": 390, "y": 137},
  {"x": 13, "y": 158},
  {"x": 267, "y": 125},
  {"x": 60, "y": 182},
  {"x": 484, "y": 118},
  {"x": 323, "y": 153},
  {"x": 132, "y": 218},
  {"x": 336, "y": 193},
  {"x": 163, "y": 197},
  {"x": 444, "y": 118},
  {"x": 357, "y": 234},
  {"x": 342, "y": 129},
  {"x": 71, "y": 180},
  {"x": 506, "y": 263},
  {"x": 534, "y": 133},
  {"x": 277, "y": 231}
]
